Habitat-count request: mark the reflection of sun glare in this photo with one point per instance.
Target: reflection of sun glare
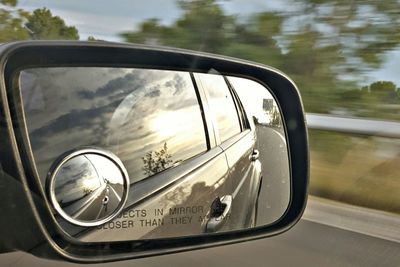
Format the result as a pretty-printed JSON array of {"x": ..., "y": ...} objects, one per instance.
[
  {"x": 90, "y": 183},
  {"x": 166, "y": 124}
]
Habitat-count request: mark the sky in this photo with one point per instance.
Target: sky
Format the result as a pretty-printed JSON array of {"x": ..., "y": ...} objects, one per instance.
[{"x": 104, "y": 20}]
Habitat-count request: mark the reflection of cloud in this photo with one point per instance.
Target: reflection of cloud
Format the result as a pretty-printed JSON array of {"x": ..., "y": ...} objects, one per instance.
[
  {"x": 114, "y": 108},
  {"x": 178, "y": 82},
  {"x": 75, "y": 120},
  {"x": 155, "y": 92},
  {"x": 116, "y": 87}
]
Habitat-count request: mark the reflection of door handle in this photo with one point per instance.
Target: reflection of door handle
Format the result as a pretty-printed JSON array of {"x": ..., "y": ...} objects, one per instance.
[
  {"x": 255, "y": 155},
  {"x": 220, "y": 210}
]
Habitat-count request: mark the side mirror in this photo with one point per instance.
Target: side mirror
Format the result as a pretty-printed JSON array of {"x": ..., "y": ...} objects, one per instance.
[{"x": 113, "y": 151}]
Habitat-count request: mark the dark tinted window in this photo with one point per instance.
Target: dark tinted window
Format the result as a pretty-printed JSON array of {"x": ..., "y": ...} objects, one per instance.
[
  {"x": 150, "y": 119},
  {"x": 221, "y": 104}
]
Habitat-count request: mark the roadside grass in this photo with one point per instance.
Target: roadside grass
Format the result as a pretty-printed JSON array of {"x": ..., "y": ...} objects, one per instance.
[{"x": 357, "y": 170}]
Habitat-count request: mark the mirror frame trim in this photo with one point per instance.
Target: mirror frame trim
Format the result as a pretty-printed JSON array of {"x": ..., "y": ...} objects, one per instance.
[{"x": 53, "y": 243}]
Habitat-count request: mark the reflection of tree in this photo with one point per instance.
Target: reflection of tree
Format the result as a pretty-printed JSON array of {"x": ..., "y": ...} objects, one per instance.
[
  {"x": 157, "y": 161},
  {"x": 255, "y": 119},
  {"x": 275, "y": 117},
  {"x": 87, "y": 190}
]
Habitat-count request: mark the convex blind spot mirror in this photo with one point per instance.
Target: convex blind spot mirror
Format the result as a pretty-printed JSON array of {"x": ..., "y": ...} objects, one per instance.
[
  {"x": 136, "y": 150},
  {"x": 88, "y": 187}
]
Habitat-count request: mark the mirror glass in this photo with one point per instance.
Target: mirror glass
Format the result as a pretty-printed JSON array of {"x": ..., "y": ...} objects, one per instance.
[{"x": 204, "y": 153}]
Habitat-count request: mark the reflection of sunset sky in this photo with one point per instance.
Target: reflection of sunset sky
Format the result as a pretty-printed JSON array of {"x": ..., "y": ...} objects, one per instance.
[
  {"x": 128, "y": 111},
  {"x": 135, "y": 148}
]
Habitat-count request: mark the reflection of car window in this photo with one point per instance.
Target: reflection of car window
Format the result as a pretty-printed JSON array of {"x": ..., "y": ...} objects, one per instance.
[
  {"x": 257, "y": 101},
  {"x": 150, "y": 119},
  {"x": 221, "y": 104}
]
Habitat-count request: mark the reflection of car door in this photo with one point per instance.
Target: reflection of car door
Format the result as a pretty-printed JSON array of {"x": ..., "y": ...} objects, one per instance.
[
  {"x": 237, "y": 140},
  {"x": 245, "y": 170},
  {"x": 180, "y": 203}
]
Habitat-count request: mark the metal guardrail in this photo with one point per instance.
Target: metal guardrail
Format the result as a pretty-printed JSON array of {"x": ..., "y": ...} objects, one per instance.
[{"x": 370, "y": 127}]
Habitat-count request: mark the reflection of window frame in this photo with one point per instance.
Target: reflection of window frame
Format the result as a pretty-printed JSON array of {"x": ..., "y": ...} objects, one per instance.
[
  {"x": 244, "y": 123},
  {"x": 213, "y": 118}
]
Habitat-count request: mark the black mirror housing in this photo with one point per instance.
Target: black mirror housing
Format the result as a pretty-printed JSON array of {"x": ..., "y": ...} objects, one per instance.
[{"x": 27, "y": 222}]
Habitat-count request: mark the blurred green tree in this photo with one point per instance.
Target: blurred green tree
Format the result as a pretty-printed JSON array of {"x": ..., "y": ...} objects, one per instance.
[
  {"x": 42, "y": 25},
  {"x": 18, "y": 24},
  {"x": 12, "y": 22},
  {"x": 203, "y": 27},
  {"x": 332, "y": 46}
]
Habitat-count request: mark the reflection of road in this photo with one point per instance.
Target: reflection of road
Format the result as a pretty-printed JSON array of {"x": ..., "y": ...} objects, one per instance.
[
  {"x": 275, "y": 190},
  {"x": 95, "y": 208}
]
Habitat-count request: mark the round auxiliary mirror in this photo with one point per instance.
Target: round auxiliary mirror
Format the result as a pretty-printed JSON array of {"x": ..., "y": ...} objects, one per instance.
[{"x": 88, "y": 187}]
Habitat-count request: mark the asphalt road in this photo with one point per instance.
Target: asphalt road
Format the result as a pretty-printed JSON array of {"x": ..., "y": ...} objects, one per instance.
[
  {"x": 307, "y": 244},
  {"x": 330, "y": 234},
  {"x": 275, "y": 191}
]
